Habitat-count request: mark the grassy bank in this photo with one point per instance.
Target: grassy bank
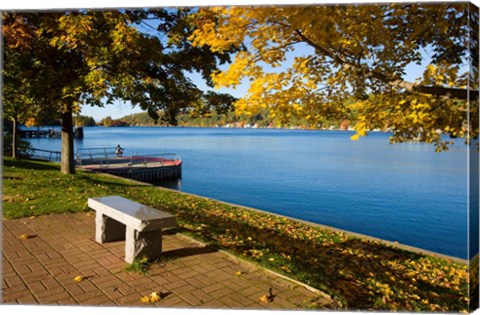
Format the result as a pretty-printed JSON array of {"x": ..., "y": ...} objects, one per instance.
[{"x": 358, "y": 273}]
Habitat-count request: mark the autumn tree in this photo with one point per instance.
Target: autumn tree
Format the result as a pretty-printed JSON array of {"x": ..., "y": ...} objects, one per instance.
[
  {"x": 73, "y": 59},
  {"x": 82, "y": 58},
  {"x": 350, "y": 51}
]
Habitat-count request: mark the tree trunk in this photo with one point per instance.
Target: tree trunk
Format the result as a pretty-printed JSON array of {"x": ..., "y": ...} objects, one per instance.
[
  {"x": 14, "y": 139},
  {"x": 67, "y": 165}
]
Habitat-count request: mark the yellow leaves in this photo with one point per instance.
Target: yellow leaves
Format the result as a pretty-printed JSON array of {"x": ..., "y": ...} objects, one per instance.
[
  {"x": 220, "y": 28},
  {"x": 355, "y": 137},
  {"x": 286, "y": 269},
  {"x": 152, "y": 298},
  {"x": 238, "y": 273},
  {"x": 441, "y": 74},
  {"x": 361, "y": 128},
  {"x": 237, "y": 70},
  {"x": 79, "y": 278},
  {"x": 23, "y": 237},
  {"x": 255, "y": 253}
]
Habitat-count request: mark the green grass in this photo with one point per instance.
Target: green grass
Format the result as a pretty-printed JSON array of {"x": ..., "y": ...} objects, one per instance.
[
  {"x": 359, "y": 273},
  {"x": 139, "y": 265}
]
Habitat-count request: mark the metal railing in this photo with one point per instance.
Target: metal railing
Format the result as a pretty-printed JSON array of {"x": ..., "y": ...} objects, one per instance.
[
  {"x": 45, "y": 155},
  {"x": 155, "y": 159},
  {"x": 93, "y": 154},
  {"x": 139, "y": 161}
]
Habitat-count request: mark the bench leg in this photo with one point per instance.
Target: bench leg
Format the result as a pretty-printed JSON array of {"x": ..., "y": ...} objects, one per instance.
[
  {"x": 108, "y": 230},
  {"x": 139, "y": 244}
]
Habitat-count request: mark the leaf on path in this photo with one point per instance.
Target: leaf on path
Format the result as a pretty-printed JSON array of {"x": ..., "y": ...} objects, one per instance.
[
  {"x": 238, "y": 273},
  {"x": 79, "y": 278},
  {"x": 264, "y": 299},
  {"x": 267, "y": 298},
  {"x": 26, "y": 236},
  {"x": 154, "y": 297}
]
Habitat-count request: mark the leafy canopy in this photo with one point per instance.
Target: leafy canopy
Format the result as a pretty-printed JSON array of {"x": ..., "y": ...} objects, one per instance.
[
  {"x": 358, "y": 51},
  {"x": 57, "y": 62}
]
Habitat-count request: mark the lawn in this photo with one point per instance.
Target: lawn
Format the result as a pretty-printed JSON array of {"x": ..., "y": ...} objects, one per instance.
[{"x": 359, "y": 273}]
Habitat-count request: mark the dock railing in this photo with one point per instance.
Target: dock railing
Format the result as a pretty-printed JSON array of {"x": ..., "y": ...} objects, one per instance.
[
  {"x": 94, "y": 154},
  {"x": 162, "y": 159},
  {"x": 142, "y": 161},
  {"x": 44, "y": 155}
]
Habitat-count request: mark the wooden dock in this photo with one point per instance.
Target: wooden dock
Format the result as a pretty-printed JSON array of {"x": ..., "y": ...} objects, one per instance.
[{"x": 148, "y": 168}]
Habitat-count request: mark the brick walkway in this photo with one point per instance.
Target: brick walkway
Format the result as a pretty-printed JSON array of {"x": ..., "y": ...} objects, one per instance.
[{"x": 41, "y": 269}]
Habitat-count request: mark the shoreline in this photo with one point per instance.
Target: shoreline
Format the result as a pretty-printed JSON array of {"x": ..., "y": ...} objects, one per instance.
[{"x": 406, "y": 247}]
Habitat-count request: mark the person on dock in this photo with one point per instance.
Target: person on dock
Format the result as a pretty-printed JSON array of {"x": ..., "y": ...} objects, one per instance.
[{"x": 119, "y": 151}]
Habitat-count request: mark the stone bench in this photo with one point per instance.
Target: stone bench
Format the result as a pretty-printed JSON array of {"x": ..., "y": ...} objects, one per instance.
[{"x": 140, "y": 226}]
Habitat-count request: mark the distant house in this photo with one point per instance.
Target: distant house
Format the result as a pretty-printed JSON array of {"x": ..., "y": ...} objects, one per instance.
[{"x": 344, "y": 124}]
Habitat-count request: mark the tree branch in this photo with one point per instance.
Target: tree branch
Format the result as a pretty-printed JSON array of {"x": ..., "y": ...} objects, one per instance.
[{"x": 462, "y": 94}]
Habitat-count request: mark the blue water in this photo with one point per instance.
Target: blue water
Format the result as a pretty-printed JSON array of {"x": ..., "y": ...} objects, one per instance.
[{"x": 403, "y": 192}]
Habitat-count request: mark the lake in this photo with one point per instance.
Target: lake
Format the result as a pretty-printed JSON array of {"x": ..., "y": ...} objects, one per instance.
[{"x": 402, "y": 192}]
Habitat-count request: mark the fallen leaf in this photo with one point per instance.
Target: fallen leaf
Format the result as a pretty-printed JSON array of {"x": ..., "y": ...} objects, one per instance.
[
  {"x": 286, "y": 268},
  {"x": 26, "y": 236},
  {"x": 154, "y": 297},
  {"x": 264, "y": 299},
  {"x": 145, "y": 299},
  {"x": 79, "y": 278},
  {"x": 238, "y": 273}
]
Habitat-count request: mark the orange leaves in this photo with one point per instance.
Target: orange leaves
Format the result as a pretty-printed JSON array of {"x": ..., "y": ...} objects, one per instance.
[
  {"x": 267, "y": 298},
  {"x": 16, "y": 32},
  {"x": 31, "y": 122},
  {"x": 264, "y": 299}
]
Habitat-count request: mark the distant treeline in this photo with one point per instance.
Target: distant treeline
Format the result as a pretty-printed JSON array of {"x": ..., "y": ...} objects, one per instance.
[
  {"x": 193, "y": 119},
  {"x": 83, "y": 121},
  {"x": 230, "y": 119}
]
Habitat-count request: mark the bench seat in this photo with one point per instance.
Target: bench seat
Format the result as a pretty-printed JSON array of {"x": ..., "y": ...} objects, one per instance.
[{"x": 119, "y": 218}]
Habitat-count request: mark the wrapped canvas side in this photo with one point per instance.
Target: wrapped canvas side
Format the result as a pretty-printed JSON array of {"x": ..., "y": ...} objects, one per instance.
[{"x": 473, "y": 158}]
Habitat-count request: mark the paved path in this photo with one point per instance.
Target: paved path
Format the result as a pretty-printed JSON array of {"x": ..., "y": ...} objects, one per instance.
[{"x": 42, "y": 268}]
